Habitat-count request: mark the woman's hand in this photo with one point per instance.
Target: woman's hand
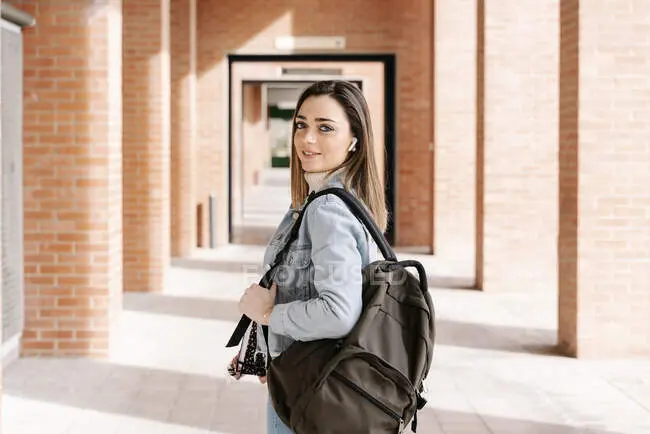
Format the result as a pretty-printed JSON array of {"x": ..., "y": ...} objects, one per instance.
[
  {"x": 232, "y": 370},
  {"x": 257, "y": 303}
]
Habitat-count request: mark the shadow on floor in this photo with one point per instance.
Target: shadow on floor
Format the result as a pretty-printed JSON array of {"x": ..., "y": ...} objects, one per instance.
[
  {"x": 191, "y": 400},
  {"x": 205, "y": 402},
  {"x": 496, "y": 337},
  {"x": 448, "y": 332},
  {"x": 450, "y": 282},
  {"x": 181, "y": 306}
]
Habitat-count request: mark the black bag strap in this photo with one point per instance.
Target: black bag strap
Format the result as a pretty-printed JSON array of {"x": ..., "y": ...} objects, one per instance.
[{"x": 359, "y": 211}]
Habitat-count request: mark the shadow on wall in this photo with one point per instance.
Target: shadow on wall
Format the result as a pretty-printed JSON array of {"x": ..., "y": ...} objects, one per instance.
[
  {"x": 144, "y": 161},
  {"x": 197, "y": 401}
]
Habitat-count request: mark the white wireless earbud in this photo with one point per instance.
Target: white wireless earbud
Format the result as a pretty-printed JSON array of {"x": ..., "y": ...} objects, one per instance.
[{"x": 353, "y": 145}]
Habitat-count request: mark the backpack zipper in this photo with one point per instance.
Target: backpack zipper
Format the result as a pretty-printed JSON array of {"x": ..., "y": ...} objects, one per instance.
[{"x": 371, "y": 398}]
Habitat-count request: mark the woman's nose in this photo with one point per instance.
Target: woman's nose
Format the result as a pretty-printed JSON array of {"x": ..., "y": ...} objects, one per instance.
[{"x": 310, "y": 137}]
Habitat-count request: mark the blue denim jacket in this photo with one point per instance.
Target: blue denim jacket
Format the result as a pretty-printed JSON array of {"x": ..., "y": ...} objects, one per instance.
[{"x": 319, "y": 284}]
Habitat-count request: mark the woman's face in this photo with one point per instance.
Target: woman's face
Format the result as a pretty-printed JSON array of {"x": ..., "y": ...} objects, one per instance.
[{"x": 322, "y": 134}]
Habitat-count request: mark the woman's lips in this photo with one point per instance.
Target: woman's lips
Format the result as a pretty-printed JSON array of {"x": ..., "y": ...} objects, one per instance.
[{"x": 309, "y": 154}]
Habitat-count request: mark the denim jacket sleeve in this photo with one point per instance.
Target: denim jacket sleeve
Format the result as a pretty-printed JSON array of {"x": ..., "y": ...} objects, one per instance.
[{"x": 335, "y": 236}]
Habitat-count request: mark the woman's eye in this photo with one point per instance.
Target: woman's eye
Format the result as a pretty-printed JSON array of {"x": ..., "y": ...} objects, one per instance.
[
  {"x": 300, "y": 125},
  {"x": 325, "y": 128}
]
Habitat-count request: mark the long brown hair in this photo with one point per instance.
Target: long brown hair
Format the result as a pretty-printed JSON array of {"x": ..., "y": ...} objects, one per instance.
[{"x": 361, "y": 174}]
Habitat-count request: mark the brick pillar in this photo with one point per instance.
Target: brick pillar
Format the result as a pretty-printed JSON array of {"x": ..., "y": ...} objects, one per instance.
[
  {"x": 604, "y": 253},
  {"x": 517, "y": 146},
  {"x": 0, "y": 227},
  {"x": 183, "y": 126},
  {"x": 455, "y": 137},
  {"x": 146, "y": 144},
  {"x": 72, "y": 177},
  {"x": 212, "y": 97}
]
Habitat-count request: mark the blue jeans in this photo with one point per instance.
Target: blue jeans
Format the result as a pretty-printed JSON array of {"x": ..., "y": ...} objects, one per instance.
[{"x": 274, "y": 424}]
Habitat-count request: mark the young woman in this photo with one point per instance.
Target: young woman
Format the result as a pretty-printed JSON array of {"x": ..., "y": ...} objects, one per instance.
[{"x": 318, "y": 294}]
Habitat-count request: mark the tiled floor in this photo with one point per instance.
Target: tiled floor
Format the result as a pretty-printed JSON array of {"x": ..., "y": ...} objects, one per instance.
[{"x": 495, "y": 370}]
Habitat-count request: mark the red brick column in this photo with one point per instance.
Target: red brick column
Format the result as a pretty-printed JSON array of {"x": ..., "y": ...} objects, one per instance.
[
  {"x": 517, "y": 146},
  {"x": 183, "y": 126},
  {"x": 0, "y": 227},
  {"x": 455, "y": 136},
  {"x": 72, "y": 177},
  {"x": 604, "y": 239},
  {"x": 146, "y": 144}
]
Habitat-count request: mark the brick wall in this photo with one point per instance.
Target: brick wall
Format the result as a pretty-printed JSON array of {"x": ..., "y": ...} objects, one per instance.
[
  {"x": 604, "y": 272},
  {"x": 115, "y": 167},
  {"x": 183, "y": 117},
  {"x": 72, "y": 155},
  {"x": 455, "y": 137},
  {"x": 146, "y": 119},
  {"x": 518, "y": 145},
  {"x": 568, "y": 177},
  {"x": 400, "y": 27},
  {"x": 0, "y": 223}
]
